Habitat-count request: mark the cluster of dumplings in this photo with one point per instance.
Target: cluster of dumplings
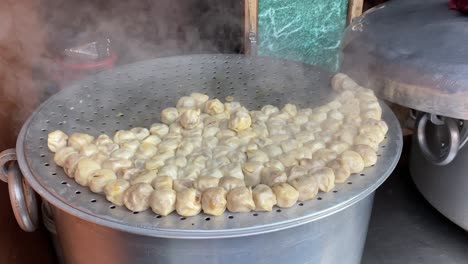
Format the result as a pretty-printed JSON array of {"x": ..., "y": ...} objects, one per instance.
[{"x": 210, "y": 156}]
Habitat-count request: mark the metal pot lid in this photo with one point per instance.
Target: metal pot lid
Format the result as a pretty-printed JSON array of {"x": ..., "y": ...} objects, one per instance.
[
  {"x": 413, "y": 53},
  {"x": 134, "y": 95}
]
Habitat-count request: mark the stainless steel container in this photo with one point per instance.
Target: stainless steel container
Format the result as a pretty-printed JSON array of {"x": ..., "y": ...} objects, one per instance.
[
  {"x": 330, "y": 229},
  {"x": 411, "y": 54}
]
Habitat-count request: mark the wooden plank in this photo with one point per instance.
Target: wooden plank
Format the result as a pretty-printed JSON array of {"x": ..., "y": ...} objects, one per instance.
[
  {"x": 250, "y": 25},
  {"x": 354, "y": 9}
]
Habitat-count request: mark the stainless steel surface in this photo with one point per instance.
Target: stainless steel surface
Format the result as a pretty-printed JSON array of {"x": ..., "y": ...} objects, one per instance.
[
  {"x": 447, "y": 150},
  {"x": 23, "y": 199},
  {"x": 135, "y": 94},
  {"x": 411, "y": 53},
  {"x": 445, "y": 187},
  {"x": 337, "y": 239},
  {"x": 405, "y": 229}
]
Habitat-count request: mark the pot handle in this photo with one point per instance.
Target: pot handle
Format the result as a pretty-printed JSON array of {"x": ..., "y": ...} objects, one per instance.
[
  {"x": 453, "y": 144},
  {"x": 22, "y": 196}
]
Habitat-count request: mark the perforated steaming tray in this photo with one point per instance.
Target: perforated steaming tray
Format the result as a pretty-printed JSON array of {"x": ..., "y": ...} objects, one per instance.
[{"x": 134, "y": 95}]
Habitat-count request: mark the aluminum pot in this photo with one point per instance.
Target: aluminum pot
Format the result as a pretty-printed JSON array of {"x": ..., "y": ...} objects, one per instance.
[
  {"x": 438, "y": 163},
  {"x": 330, "y": 229}
]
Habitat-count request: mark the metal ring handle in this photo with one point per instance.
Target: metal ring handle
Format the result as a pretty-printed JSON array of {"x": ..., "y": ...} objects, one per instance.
[
  {"x": 22, "y": 197},
  {"x": 453, "y": 144},
  {"x": 5, "y": 157}
]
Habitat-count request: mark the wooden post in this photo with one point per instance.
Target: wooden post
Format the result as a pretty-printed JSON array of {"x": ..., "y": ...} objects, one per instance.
[
  {"x": 250, "y": 26},
  {"x": 354, "y": 9}
]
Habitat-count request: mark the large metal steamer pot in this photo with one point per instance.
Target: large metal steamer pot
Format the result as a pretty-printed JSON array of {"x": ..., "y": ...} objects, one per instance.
[
  {"x": 331, "y": 229},
  {"x": 392, "y": 49}
]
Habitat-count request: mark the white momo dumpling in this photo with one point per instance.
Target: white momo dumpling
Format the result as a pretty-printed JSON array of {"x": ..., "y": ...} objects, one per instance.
[
  {"x": 184, "y": 149},
  {"x": 306, "y": 186},
  {"x": 131, "y": 144},
  {"x": 340, "y": 170},
  {"x": 188, "y": 202},
  {"x": 108, "y": 148},
  {"x": 372, "y": 113},
  {"x": 62, "y": 154},
  {"x": 336, "y": 115},
  {"x": 159, "y": 130},
  {"x": 70, "y": 164},
  {"x": 145, "y": 177},
  {"x": 260, "y": 129},
  {"x": 214, "y": 107},
  {"x": 239, "y": 200},
  {"x": 136, "y": 197},
  {"x": 258, "y": 116},
  {"x": 252, "y": 172},
  {"x": 191, "y": 172},
  {"x": 288, "y": 159},
  {"x": 232, "y": 107},
  {"x": 116, "y": 164},
  {"x": 257, "y": 155},
  {"x": 210, "y": 131},
  {"x": 175, "y": 128},
  {"x": 347, "y": 134},
  {"x": 146, "y": 151},
  {"x": 273, "y": 175},
  {"x": 168, "y": 145},
  {"x": 318, "y": 117},
  {"x": 162, "y": 201},
  {"x": 300, "y": 119},
  {"x": 236, "y": 157},
  {"x": 89, "y": 150},
  {"x": 353, "y": 160},
  {"x": 123, "y": 135},
  {"x": 186, "y": 103},
  {"x": 152, "y": 139},
  {"x": 290, "y": 144},
  {"x": 367, "y": 153},
  {"x": 205, "y": 182},
  {"x": 179, "y": 161},
  {"x": 331, "y": 125},
  {"x": 214, "y": 201},
  {"x": 314, "y": 145},
  {"x": 169, "y": 115},
  {"x": 233, "y": 170},
  {"x": 190, "y": 119},
  {"x": 231, "y": 142},
  {"x": 164, "y": 182},
  {"x": 304, "y": 136},
  {"x": 286, "y": 195},
  {"x": 103, "y": 140},
  {"x": 127, "y": 173},
  {"x": 228, "y": 183},
  {"x": 275, "y": 164},
  {"x": 115, "y": 189},
  {"x": 221, "y": 151},
  {"x": 56, "y": 140},
  {"x": 290, "y": 109},
  {"x": 212, "y": 172},
  {"x": 140, "y": 132},
  {"x": 325, "y": 178},
  {"x": 245, "y": 136},
  {"x": 264, "y": 198},
  {"x": 296, "y": 171},
  {"x": 123, "y": 153},
  {"x": 168, "y": 170},
  {"x": 78, "y": 140},
  {"x": 225, "y": 133},
  {"x": 240, "y": 120},
  {"x": 269, "y": 110},
  {"x": 324, "y": 154},
  {"x": 200, "y": 99},
  {"x": 100, "y": 178},
  {"x": 338, "y": 146},
  {"x": 84, "y": 169},
  {"x": 273, "y": 150},
  {"x": 367, "y": 139}
]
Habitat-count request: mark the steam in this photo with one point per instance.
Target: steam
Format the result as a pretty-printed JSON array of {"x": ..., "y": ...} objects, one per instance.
[{"x": 33, "y": 33}]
